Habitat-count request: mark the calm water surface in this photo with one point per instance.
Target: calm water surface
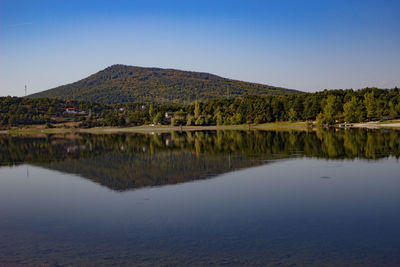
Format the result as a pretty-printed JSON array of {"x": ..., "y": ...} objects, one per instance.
[{"x": 213, "y": 198}]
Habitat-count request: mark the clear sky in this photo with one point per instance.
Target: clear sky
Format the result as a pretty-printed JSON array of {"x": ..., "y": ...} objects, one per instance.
[{"x": 301, "y": 44}]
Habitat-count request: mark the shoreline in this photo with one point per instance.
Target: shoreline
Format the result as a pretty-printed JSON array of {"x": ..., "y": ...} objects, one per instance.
[
  {"x": 39, "y": 129},
  {"x": 298, "y": 126},
  {"x": 377, "y": 124}
]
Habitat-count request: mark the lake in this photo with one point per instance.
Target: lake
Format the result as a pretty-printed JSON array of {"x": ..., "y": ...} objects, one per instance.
[{"x": 256, "y": 198}]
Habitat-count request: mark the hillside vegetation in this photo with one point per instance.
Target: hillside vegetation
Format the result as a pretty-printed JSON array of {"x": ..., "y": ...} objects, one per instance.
[
  {"x": 327, "y": 108},
  {"x": 120, "y": 84}
]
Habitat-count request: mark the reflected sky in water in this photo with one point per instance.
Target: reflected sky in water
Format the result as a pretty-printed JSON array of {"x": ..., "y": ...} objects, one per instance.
[{"x": 290, "y": 211}]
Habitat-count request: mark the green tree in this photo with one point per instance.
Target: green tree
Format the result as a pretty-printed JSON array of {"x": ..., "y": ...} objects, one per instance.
[
  {"x": 361, "y": 113},
  {"x": 320, "y": 120},
  {"x": 196, "y": 109},
  {"x": 392, "y": 110},
  {"x": 237, "y": 119},
  {"x": 350, "y": 110},
  {"x": 201, "y": 120},
  {"x": 151, "y": 112},
  {"x": 157, "y": 118},
  {"x": 329, "y": 112},
  {"x": 190, "y": 121},
  {"x": 218, "y": 117},
  {"x": 179, "y": 118},
  {"x": 121, "y": 121},
  {"x": 370, "y": 105},
  {"x": 292, "y": 115}
]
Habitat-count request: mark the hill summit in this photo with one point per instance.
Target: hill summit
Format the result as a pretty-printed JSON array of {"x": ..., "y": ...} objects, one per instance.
[{"x": 121, "y": 83}]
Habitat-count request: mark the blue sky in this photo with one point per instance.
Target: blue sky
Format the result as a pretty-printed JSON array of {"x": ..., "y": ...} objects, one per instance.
[{"x": 306, "y": 45}]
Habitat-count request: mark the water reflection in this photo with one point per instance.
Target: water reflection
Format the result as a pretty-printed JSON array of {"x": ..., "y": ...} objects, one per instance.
[
  {"x": 128, "y": 161},
  {"x": 294, "y": 209}
]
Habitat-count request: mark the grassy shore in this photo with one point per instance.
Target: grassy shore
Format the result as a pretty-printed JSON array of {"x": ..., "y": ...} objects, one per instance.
[
  {"x": 284, "y": 126},
  {"x": 40, "y": 129},
  {"x": 168, "y": 128}
]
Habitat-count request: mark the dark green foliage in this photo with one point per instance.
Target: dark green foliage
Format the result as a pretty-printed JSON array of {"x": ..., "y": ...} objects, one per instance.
[
  {"x": 121, "y": 84},
  {"x": 327, "y": 107},
  {"x": 350, "y": 110},
  {"x": 157, "y": 118},
  {"x": 332, "y": 105},
  {"x": 179, "y": 118},
  {"x": 16, "y": 111}
]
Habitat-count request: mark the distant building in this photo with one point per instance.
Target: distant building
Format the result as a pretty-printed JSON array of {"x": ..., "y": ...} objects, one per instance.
[
  {"x": 168, "y": 115},
  {"x": 384, "y": 118},
  {"x": 70, "y": 110},
  {"x": 73, "y": 111}
]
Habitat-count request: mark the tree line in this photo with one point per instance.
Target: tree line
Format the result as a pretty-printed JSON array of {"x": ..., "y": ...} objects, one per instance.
[{"x": 326, "y": 108}]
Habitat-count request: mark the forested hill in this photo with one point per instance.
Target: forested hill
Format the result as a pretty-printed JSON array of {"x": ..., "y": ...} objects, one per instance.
[{"x": 120, "y": 83}]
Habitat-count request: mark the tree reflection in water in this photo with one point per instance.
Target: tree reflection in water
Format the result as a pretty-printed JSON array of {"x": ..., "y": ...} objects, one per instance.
[{"x": 129, "y": 161}]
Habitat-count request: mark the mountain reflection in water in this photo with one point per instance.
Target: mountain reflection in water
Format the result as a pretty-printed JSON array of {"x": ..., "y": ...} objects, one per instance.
[{"x": 128, "y": 161}]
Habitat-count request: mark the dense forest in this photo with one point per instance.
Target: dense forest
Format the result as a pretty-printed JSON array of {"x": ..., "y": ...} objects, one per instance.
[
  {"x": 25, "y": 111},
  {"x": 136, "y": 160},
  {"x": 326, "y": 108},
  {"x": 121, "y": 84}
]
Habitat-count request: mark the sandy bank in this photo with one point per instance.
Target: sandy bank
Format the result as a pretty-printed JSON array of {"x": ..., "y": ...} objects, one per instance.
[{"x": 377, "y": 124}]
